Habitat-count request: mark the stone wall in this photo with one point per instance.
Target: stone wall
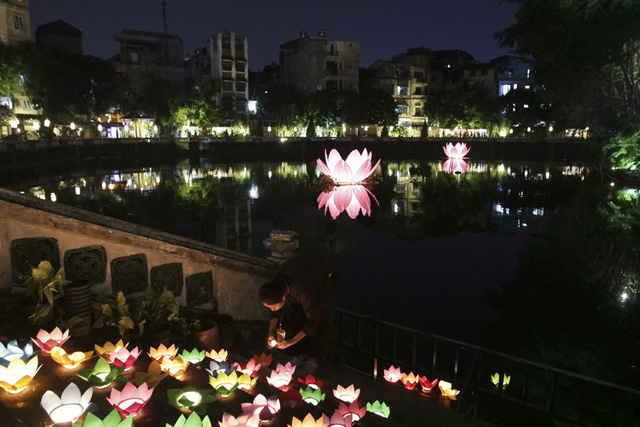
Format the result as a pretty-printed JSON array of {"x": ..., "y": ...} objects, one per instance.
[{"x": 115, "y": 255}]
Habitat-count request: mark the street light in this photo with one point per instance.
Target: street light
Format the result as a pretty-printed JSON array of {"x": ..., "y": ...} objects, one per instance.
[
  {"x": 47, "y": 123},
  {"x": 72, "y": 126}
]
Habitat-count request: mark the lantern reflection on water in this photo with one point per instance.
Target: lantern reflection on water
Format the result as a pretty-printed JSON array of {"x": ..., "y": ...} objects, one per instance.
[{"x": 354, "y": 199}]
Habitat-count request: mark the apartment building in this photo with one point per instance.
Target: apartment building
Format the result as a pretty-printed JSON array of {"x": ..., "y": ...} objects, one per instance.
[{"x": 229, "y": 64}]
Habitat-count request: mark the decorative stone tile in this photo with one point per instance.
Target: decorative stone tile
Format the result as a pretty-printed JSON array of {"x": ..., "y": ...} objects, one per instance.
[
  {"x": 129, "y": 274},
  {"x": 29, "y": 252},
  {"x": 200, "y": 288},
  {"x": 167, "y": 276},
  {"x": 87, "y": 264}
]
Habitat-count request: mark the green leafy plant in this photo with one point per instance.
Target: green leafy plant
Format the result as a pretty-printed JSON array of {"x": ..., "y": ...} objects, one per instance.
[
  {"x": 112, "y": 311},
  {"x": 44, "y": 288},
  {"x": 156, "y": 310}
]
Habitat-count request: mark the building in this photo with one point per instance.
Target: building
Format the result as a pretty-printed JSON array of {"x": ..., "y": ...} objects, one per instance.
[
  {"x": 311, "y": 63},
  {"x": 61, "y": 35},
  {"x": 229, "y": 64},
  {"x": 15, "y": 21}
]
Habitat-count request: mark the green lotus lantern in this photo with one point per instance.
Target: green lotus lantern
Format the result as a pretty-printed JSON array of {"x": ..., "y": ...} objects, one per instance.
[
  {"x": 102, "y": 374},
  {"x": 495, "y": 379},
  {"x": 194, "y": 356},
  {"x": 190, "y": 398},
  {"x": 111, "y": 420},
  {"x": 379, "y": 408},
  {"x": 312, "y": 395},
  {"x": 193, "y": 420},
  {"x": 224, "y": 384}
]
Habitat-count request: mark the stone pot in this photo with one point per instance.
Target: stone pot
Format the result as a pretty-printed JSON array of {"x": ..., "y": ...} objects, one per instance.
[{"x": 208, "y": 338}]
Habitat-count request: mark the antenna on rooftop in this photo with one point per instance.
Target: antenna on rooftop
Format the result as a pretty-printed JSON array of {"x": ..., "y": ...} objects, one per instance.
[{"x": 164, "y": 15}]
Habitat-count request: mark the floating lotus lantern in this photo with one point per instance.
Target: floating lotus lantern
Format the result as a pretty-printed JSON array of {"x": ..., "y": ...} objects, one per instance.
[
  {"x": 69, "y": 406},
  {"x": 354, "y": 199},
  {"x": 457, "y": 151},
  {"x": 111, "y": 420},
  {"x": 265, "y": 408},
  {"x": 102, "y": 374},
  {"x": 194, "y": 356},
  {"x": 162, "y": 352},
  {"x": 495, "y": 379},
  {"x": 193, "y": 420},
  {"x": 190, "y": 398},
  {"x": 224, "y": 384},
  {"x": 263, "y": 360},
  {"x": 312, "y": 396},
  {"x": 131, "y": 399},
  {"x": 46, "y": 341},
  {"x": 348, "y": 394},
  {"x": 290, "y": 399},
  {"x": 309, "y": 421},
  {"x": 13, "y": 350},
  {"x": 250, "y": 368},
  {"x": 355, "y": 169},
  {"x": 242, "y": 421},
  {"x": 447, "y": 391},
  {"x": 108, "y": 347},
  {"x": 338, "y": 420},
  {"x": 427, "y": 385},
  {"x": 123, "y": 358},
  {"x": 15, "y": 377},
  {"x": 246, "y": 382},
  {"x": 215, "y": 367},
  {"x": 152, "y": 377},
  {"x": 393, "y": 375},
  {"x": 354, "y": 410},
  {"x": 70, "y": 361},
  {"x": 281, "y": 376},
  {"x": 311, "y": 381},
  {"x": 174, "y": 367},
  {"x": 218, "y": 356},
  {"x": 379, "y": 408},
  {"x": 409, "y": 381}
]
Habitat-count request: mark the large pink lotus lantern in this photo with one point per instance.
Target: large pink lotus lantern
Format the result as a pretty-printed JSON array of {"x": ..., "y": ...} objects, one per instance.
[
  {"x": 457, "y": 151},
  {"x": 131, "y": 399},
  {"x": 354, "y": 170},
  {"x": 354, "y": 199}
]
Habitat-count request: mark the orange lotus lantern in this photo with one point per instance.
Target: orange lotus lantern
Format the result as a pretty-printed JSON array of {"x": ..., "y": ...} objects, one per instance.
[
  {"x": 242, "y": 421},
  {"x": 174, "y": 367},
  {"x": 309, "y": 421},
  {"x": 263, "y": 360},
  {"x": 70, "y": 361},
  {"x": 47, "y": 341},
  {"x": 392, "y": 375},
  {"x": 354, "y": 410},
  {"x": 281, "y": 376},
  {"x": 152, "y": 377},
  {"x": 131, "y": 399},
  {"x": 250, "y": 368},
  {"x": 409, "y": 381},
  {"x": 218, "y": 356},
  {"x": 246, "y": 382},
  {"x": 15, "y": 377},
  {"x": 427, "y": 385},
  {"x": 265, "y": 408},
  {"x": 108, "y": 347},
  {"x": 349, "y": 394},
  {"x": 123, "y": 358},
  {"x": 162, "y": 352},
  {"x": 447, "y": 391},
  {"x": 311, "y": 381}
]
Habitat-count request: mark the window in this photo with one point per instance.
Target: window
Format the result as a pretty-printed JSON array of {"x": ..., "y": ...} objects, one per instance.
[
  {"x": 240, "y": 86},
  {"x": 239, "y": 67},
  {"x": 227, "y": 86},
  {"x": 402, "y": 90},
  {"x": 227, "y": 65},
  {"x": 403, "y": 109},
  {"x": 133, "y": 56},
  {"x": 18, "y": 23},
  {"x": 26, "y": 105},
  {"x": 418, "y": 91}
]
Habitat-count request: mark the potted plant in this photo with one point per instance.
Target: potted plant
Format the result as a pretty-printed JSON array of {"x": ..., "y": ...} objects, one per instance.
[
  {"x": 201, "y": 333},
  {"x": 112, "y": 312},
  {"x": 155, "y": 313}
]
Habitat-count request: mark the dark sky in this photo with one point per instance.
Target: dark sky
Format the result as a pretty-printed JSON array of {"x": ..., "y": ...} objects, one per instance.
[{"x": 383, "y": 27}]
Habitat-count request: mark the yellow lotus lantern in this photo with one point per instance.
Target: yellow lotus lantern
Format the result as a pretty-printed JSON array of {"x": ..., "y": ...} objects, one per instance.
[
  {"x": 175, "y": 367},
  {"x": 447, "y": 391},
  {"x": 349, "y": 394},
  {"x": 246, "y": 382},
  {"x": 108, "y": 347},
  {"x": 309, "y": 421},
  {"x": 495, "y": 379},
  {"x": 70, "y": 361},
  {"x": 410, "y": 381},
  {"x": 218, "y": 356},
  {"x": 152, "y": 377},
  {"x": 162, "y": 352},
  {"x": 15, "y": 377}
]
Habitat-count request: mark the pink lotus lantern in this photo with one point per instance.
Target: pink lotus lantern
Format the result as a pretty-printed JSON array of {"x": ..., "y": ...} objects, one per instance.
[
  {"x": 108, "y": 347},
  {"x": 355, "y": 169},
  {"x": 349, "y": 394},
  {"x": 162, "y": 352},
  {"x": 427, "y": 385},
  {"x": 131, "y": 399},
  {"x": 457, "y": 166},
  {"x": 124, "y": 358},
  {"x": 251, "y": 368},
  {"x": 264, "y": 359},
  {"x": 457, "y": 151},
  {"x": 281, "y": 376},
  {"x": 354, "y": 410},
  {"x": 309, "y": 421},
  {"x": 265, "y": 408},
  {"x": 393, "y": 375},
  {"x": 241, "y": 421},
  {"x": 354, "y": 199},
  {"x": 218, "y": 356},
  {"x": 47, "y": 341},
  {"x": 409, "y": 381},
  {"x": 338, "y": 420},
  {"x": 311, "y": 381}
]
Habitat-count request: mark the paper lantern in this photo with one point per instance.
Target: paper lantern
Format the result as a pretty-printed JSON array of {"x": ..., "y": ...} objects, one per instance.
[
  {"x": 13, "y": 350},
  {"x": 354, "y": 199},
  {"x": 312, "y": 396},
  {"x": 250, "y": 368},
  {"x": 194, "y": 356},
  {"x": 152, "y": 377},
  {"x": 69, "y": 406},
  {"x": 457, "y": 151},
  {"x": 108, "y": 347},
  {"x": 111, "y": 420},
  {"x": 311, "y": 381},
  {"x": 290, "y": 399},
  {"x": 190, "y": 398},
  {"x": 349, "y": 394},
  {"x": 309, "y": 421},
  {"x": 353, "y": 409},
  {"x": 495, "y": 379},
  {"x": 47, "y": 341},
  {"x": 131, "y": 399},
  {"x": 392, "y": 375},
  {"x": 338, "y": 420},
  {"x": 224, "y": 384},
  {"x": 447, "y": 391},
  {"x": 246, "y": 382},
  {"x": 70, "y": 361},
  {"x": 174, "y": 367},
  {"x": 379, "y": 408},
  {"x": 427, "y": 385},
  {"x": 15, "y": 377},
  {"x": 281, "y": 376},
  {"x": 242, "y": 421},
  {"x": 355, "y": 169},
  {"x": 193, "y": 420},
  {"x": 409, "y": 381},
  {"x": 218, "y": 356},
  {"x": 102, "y": 374},
  {"x": 263, "y": 360},
  {"x": 124, "y": 358},
  {"x": 162, "y": 352},
  {"x": 215, "y": 367},
  {"x": 265, "y": 408}
]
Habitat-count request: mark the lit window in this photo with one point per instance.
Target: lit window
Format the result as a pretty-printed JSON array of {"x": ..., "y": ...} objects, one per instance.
[
  {"x": 515, "y": 85},
  {"x": 18, "y": 23},
  {"x": 527, "y": 87},
  {"x": 526, "y": 105}
]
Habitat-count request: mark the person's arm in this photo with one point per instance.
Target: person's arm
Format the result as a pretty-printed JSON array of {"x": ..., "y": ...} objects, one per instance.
[
  {"x": 271, "y": 338},
  {"x": 295, "y": 340}
]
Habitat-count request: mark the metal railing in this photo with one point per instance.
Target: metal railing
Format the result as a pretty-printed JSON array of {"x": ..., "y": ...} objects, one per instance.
[{"x": 534, "y": 389}]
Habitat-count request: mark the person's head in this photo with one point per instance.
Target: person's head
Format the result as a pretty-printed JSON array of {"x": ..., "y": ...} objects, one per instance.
[{"x": 273, "y": 294}]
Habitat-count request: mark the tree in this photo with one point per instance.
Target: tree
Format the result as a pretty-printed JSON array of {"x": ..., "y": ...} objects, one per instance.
[
  {"x": 200, "y": 111},
  {"x": 378, "y": 108}
]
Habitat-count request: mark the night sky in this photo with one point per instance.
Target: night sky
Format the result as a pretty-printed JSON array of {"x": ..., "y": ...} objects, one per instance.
[{"x": 383, "y": 27}]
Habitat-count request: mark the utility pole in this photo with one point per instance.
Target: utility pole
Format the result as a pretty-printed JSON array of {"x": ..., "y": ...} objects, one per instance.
[{"x": 164, "y": 24}]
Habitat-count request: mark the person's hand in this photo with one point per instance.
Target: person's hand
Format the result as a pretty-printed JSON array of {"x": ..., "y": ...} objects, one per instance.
[
  {"x": 271, "y": 341},
  {"x": 284, "y": 344}
]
